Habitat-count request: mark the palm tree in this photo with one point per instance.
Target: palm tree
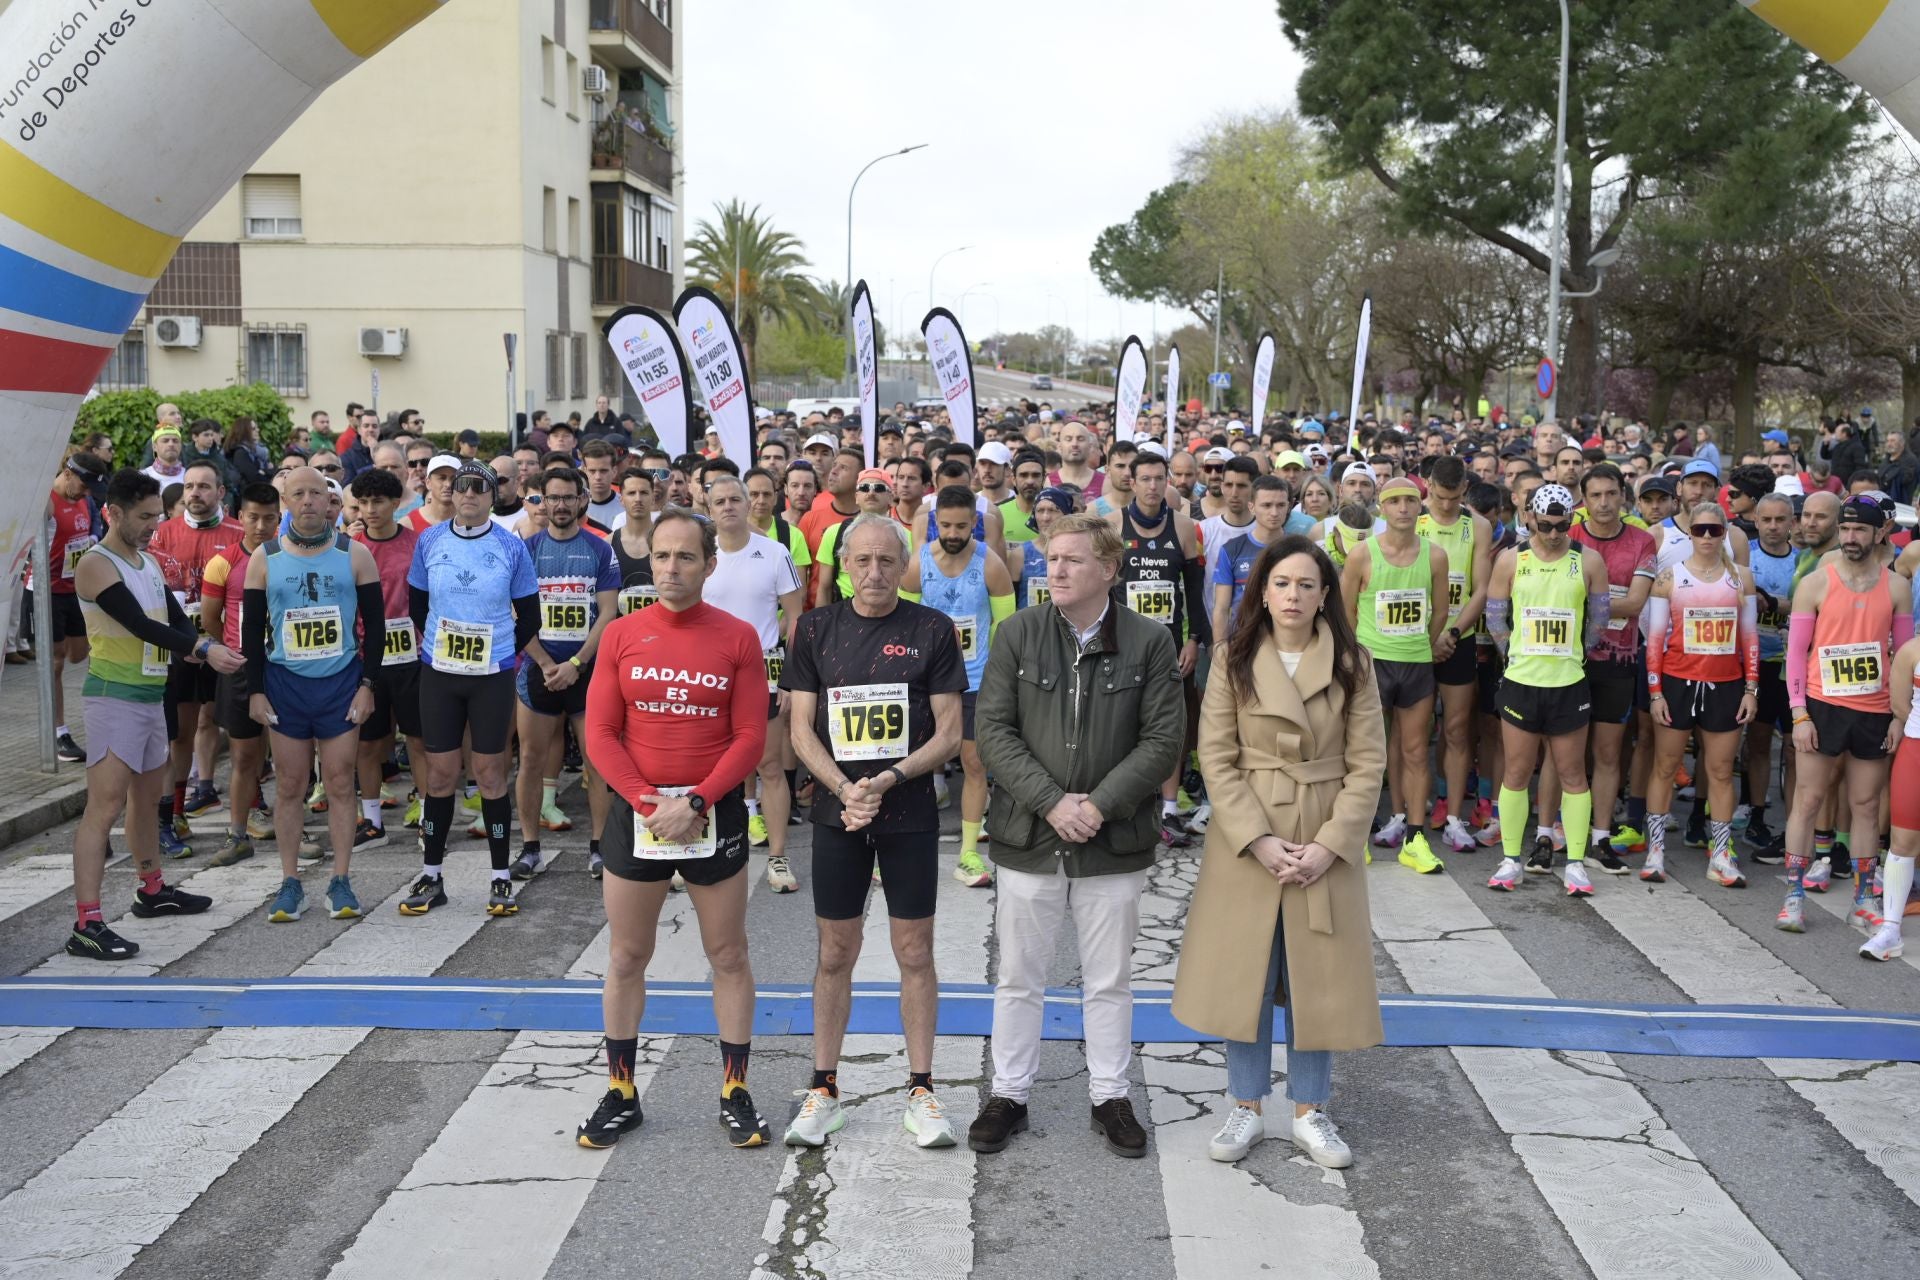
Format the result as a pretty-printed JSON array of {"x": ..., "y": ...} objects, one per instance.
[{"x": 746, "y": 261}]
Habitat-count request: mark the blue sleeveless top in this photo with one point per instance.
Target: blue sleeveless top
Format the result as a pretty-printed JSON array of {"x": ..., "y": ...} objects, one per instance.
[
  {"x": 311, "y": 609},
  {"x": 964, "y": 599}
]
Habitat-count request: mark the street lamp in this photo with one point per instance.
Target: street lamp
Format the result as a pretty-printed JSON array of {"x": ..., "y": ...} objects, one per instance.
[
  {"x": 932, "y": 300},
  {"x": 1598, "y": 264},
  {"x": 850, "y": 190},
  {"x": 1551, "y": 347}
]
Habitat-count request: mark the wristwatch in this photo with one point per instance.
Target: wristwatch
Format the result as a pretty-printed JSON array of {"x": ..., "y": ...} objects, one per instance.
[
  {"x": 697, "y": 802},
  {"x": 366, "y": 683},
  {"x": 898, "y": 774},
  {"x": 202, "y": 649}
]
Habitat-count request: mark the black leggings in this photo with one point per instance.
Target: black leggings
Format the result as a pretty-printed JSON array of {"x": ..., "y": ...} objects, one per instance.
[{"x": 454, "y": 706}]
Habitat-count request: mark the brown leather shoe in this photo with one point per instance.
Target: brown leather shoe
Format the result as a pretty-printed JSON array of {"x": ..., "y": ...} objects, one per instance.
[
  {"x": 1125, "y": 1137},
  {"x": 996, "y": 1124}
]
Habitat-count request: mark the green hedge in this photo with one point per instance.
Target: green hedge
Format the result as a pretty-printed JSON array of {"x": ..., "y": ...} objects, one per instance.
[{"x": 128, "y": 416}]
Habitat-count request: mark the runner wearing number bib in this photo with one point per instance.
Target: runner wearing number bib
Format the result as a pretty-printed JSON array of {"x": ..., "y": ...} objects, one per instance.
[
  {"x": 1614, "y": 673},
  {"x": 222, "y": 592},
  {"x": 579, "y": 582},
  {"x": 1393, "y": 591},
  {"x": 396, "y": 674},
  {"x": 134, "y": 625},
  {"x": 475, "y": 604},
  {"x": 756, "y": 580},
  {"x": 1031, "y": 587},
  {"x": 1467, "y": 539},
  {"x": 632, "y": 551},
  {"x": 1844, "y": 615},
  {"x": 1775, "y": 560},
  {"x": 1162, "y": 578},
  {"x": 1703, "y": 673},
  {"x": 1233, "y": 560},
  {"x": 1547, "y": 604},
  {"x": 306, "y": 594},
  {"x": 70, "y": 535},
  {"x": 183, "y": 546},
  {"x": 960, "y": 577},
  {"x": 676, "y": 719}
]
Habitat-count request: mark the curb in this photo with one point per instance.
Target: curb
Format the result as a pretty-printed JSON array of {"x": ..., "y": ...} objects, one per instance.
[{"x": 43, "y": 813}]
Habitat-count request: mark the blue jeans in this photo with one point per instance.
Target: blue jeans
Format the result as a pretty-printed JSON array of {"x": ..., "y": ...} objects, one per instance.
[{"x": 1250, "y": 1064}]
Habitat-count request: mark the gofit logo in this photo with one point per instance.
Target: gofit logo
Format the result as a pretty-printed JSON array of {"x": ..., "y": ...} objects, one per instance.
[{"x": 899, "y": 651}]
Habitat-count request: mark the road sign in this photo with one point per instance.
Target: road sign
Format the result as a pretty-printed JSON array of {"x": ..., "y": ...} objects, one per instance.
[
  {"x": 1545, "y": 378},
  {"x": 1219, "y": 379}
]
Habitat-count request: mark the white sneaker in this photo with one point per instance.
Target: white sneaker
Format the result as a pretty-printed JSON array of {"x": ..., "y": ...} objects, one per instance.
[
  {"x": 1741, "y": 812},
  {"x": 926, "y": 1120},
  {"x": 1314, "y": 1134},
  {"x": 820, "y": 1115},
  {"x": 780, "y": 874},
  {"x": 941, "y": 797},
  {"x": 1456, "y": 835},
  {"x": 1196, "y": 821},
  {"x": 1507, "y": 876},
  {"x": 1885, "y": 944},
  {"x": 1244, "y": 1128},
  {"x": 1578, "y": 886},
  {"x": 1392, "y": 834}
]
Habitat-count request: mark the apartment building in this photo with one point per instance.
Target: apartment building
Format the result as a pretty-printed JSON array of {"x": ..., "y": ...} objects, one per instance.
[{"x": 505, "y": 167}]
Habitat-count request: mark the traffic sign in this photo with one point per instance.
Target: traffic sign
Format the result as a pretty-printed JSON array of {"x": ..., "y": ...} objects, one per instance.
[
  {"x": 1545, "y": 378},
  {"x": 1219, "y": 379}
]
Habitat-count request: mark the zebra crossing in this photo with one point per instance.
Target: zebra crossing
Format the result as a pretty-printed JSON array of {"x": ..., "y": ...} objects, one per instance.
[{"x": 353, "y": 1151}]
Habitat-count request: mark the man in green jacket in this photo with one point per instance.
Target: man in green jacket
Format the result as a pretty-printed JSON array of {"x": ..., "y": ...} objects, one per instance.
[{"x": 1080, "y": 715}]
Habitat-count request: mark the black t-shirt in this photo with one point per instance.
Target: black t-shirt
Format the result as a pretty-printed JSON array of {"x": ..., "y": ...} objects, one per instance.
[{"x": 875, "y": 679}]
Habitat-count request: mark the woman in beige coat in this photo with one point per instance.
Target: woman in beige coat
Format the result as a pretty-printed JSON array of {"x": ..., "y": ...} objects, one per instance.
[{"x": 1293, "y": 750}]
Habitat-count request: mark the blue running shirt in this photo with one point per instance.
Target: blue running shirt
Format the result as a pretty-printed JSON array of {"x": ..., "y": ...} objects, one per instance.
[
  {"x": 571, "y": 574},
  {"x": 311, "y": 609},
  {"x": 471, "y": 584}
]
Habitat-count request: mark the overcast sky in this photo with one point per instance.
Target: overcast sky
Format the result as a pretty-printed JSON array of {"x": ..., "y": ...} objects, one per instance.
[{"x": 1049, "y": 119}]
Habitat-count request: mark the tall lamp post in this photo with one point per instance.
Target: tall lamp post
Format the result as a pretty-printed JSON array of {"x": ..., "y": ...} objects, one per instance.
[
  {"x": 850, "y": 190},
  {"x": 1551, "y": 347},
  {"x": 932, "y": 300}
]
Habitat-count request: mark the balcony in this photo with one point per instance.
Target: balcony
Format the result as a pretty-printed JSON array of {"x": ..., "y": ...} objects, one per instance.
[
  {"x": 619, "y": 281},
  {"x": 619, "y": 145},
  {"x": 620, "y": 29}
]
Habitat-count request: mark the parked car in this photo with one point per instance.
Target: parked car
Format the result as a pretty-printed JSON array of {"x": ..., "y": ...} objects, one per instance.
[{"x": 1041, "y": 382}]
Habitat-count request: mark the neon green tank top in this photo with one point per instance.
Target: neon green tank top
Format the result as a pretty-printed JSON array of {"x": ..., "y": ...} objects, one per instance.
[
  {"x": 1549, "y": 615},
  {"x": 119, "y": 663},
  {"x": 1394, "y": 608},
  {"x": 1456, "y": 540}
]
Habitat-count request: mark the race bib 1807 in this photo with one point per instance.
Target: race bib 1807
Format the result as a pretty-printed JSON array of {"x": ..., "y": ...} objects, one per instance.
[
  {"x": 1708, "y": 630},
  {"x": 867, "y": 721},
  {"x": 1850, "y": 670}
]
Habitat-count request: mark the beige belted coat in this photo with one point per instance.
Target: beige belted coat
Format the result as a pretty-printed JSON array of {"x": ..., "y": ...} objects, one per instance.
[{"x": 1303, "y": 762}]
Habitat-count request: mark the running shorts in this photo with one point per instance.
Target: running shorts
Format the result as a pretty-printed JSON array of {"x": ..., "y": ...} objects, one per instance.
[
  {"x": 230, "y": 707},
  {"x": 1844, "y": 731},
  {"x": 843, "y": 863},
  {"x": 1402, "y": 684},
  {"x": 537, "y": 698},
  {"x": 728, "y": 860},
  {"x": 453, "y": 706},
  {"x": 1461, "y": 668},
  {"x": 1612, "y": 684},
  {"x": 1710, "y": 707},
  {"x": 396, "y": 700},
  {"x": 312, "y": 708},
  {"x": 1547, "y": 712}
]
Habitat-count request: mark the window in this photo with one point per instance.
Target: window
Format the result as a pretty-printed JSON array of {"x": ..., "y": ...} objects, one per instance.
[
  {"x": 549, "y": 220},
  {"x": 126, "y": 368},
  {"x": 577, "y": 357},
  {"x": 573, "y": 86},
  {"x": 270, "y": 203},
  {"x": 663, "y": 235},
  {"x": 633, "y": 244},
  {"x": 573, "y": 227},
  {"x": 277, "y": 356},
  {"x": 546, "y": 70},
  {"x": 663, "y": 10},
  {"x": 556, "y": 365}
]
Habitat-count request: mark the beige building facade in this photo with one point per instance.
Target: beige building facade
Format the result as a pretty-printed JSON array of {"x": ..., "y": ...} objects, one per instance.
[{"x": 505, "y": 167}]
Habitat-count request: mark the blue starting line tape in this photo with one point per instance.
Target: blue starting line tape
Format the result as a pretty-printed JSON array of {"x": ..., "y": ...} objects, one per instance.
[{"x": 966, "y": 1009}]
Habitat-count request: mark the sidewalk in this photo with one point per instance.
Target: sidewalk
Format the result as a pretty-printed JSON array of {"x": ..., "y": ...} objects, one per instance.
[{"x": 32, "y": 801}]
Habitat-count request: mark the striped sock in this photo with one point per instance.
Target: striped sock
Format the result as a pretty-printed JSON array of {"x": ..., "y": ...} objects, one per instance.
[{"x": 1719, "y": 837}]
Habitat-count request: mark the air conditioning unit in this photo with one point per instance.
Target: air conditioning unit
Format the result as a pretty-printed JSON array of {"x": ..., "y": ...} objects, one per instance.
[
  {"x": 177, "y": 331},
  {"x": 383, "y": 342},
  {"x": 593, "y": 81}
]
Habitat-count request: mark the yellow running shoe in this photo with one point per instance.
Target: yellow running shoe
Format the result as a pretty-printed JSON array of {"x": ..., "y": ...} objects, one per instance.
[{"x": 1416, "y": 855}]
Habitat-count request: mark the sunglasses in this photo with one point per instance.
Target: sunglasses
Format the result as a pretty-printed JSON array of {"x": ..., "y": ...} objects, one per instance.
[
  {"x": 471, "y": 484},
  {"x": 1552, "y": 526},
  {"x": 415, "y": 464},
  {"x": 534, "y": 499},
  {"x": 659, "y": 474},
  {"x": 1709, "y": 530},
  {"x": 1213, "y": 471},
  {"x": 871, "y": 487},
  {"x": 331, "y": 471}
]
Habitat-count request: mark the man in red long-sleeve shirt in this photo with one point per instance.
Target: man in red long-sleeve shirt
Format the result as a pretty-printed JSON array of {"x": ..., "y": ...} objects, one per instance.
[{"x": 676, "y": 722}]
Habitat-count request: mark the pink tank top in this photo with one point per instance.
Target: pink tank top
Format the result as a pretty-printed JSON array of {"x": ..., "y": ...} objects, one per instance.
[
  {"x": 1848, "y": 666},
  {"x": 1705, "y": 641}
]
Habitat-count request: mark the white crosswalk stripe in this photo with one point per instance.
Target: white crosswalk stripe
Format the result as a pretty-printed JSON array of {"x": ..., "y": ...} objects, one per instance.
[{"x": 1623, "y": 1183}]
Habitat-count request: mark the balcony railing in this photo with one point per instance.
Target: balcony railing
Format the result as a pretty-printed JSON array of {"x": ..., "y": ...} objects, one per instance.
[
  {"x": 616, "y": 145},
  {"x": 621, "y": 282},
  {"x": 635, "y": 19}
]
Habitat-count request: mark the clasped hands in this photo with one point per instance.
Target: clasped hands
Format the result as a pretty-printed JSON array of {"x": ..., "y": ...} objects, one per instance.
[
  {"x": 1292, "y": 863},
  {"x": 1075, "y": 817}
]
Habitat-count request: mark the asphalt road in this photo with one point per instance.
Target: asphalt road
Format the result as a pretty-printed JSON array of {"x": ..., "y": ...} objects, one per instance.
[{"x": 348, "y": 1151}]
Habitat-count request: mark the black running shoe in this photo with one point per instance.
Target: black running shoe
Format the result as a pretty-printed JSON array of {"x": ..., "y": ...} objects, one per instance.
[
  {"x": 428, "y": 892},
  {"x": 1609, "y": 861},
  {"x": 1842, "y": 859},
  {"x": 500, "y": 899},
  {"x": 97, "y": 942},
  {"x": 1696, "y": 834},
  {"x": 1540, "y": 861},
  {"x": 169, "y": 902},
  {"x": 368, "y": 836},
  {"x": 742, "y": 1122},
  {"x": 615, "y": 1115},
  {"x": 1760, "y": 836},
  {"x": 527, "y": 865},
  {"x": 65, "y": 748}
]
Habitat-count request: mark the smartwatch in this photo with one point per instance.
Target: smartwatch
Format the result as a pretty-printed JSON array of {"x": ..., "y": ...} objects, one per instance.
[
  {"x": 697, "y": 802},
  {"x": 895, "y": 770}
]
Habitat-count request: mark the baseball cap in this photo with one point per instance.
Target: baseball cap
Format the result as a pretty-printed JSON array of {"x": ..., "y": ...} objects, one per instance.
[
  {"x": 1361, "y": 469},
  {"x": 1234, "y": 424},
  {"x": 1316, "y": 453},
  {"x": 1866, "y": 411},
  {"x": 1152, "y": 447},
  {"x": 469, "y": 436},
  {"x": 1659, "y": 484},
  {"x": 874, "y": 475},
  {"x": 995, "y": 452},
  {"x": 1776, "y": 436},
  {"x": 822, "y": 439},
  {"x": 1291, "y": 458},
  {"x": 618, "y": 439},
  {"x": 891, "y": 429},
  {"x": 761, "y": 413},
  {"x": 1700, "y": 467},
  {"x": 1862, "y": 510},
  {"x": 333, "y": 487},
  {"x": 441, "y": 460},
  {"x": 1313, "y": 426},
  {"x": 1791, "y": 486},
  {"x": 1219, "y": 453},
  {"x": 1552, "y": 500}
]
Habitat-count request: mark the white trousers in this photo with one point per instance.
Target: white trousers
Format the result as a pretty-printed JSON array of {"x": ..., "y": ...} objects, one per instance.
[{"x": 1028, "y": 912}]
